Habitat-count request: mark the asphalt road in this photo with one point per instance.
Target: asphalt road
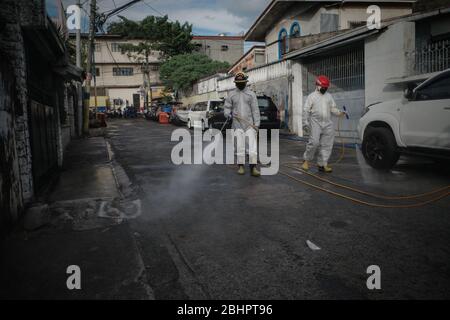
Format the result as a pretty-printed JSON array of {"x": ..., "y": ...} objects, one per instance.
[{"x": 206, "y": 232}]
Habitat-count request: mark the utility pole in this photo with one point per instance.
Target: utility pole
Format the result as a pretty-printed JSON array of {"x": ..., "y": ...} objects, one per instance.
[
  {"x": 78, "y": 40},
  {"x": 144, "y": 80},
  {"x": 147, "y": 81},
  {"x": 90, "y": 53}
]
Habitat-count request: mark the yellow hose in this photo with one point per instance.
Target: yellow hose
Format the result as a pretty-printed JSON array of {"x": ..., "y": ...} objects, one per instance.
[
  {"x": 359, "y": 201},
  {"x": 370, "y": 204},
  {"x": 365, "y": 192}
]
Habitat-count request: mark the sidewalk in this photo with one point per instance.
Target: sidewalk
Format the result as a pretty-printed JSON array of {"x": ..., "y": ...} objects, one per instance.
[{"x": 83, "y": 222}]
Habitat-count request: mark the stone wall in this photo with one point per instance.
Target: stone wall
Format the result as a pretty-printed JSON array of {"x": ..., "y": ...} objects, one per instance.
[
  {"x": 10, "y": 187},
  {"x": 12, "y": 46}
]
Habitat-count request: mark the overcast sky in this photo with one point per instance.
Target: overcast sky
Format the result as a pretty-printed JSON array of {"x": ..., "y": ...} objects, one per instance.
[{"x": 209, "y": 17}]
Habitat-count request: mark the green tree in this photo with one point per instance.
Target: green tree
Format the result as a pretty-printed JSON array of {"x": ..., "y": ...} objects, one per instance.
[
  {"x": 154, "y": 33},
  {"x": 181, "y": 71}
]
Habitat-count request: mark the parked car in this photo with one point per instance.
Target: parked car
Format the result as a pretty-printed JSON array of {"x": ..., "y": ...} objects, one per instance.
[
  {"x": 418, "y": 123},
  {"x": 270, "y": 116},
  {"x": 199, "y": 114},
  {"x": 179, "y": 115}
]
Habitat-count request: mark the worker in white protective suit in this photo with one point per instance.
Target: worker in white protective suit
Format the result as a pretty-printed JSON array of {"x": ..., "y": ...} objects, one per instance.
[
  {"x": 241, "y": 107},
  {"x": 317, "y": 113}
]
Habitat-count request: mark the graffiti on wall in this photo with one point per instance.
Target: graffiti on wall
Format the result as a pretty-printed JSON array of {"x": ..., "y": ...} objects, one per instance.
[{"x": 278, "y": 90}]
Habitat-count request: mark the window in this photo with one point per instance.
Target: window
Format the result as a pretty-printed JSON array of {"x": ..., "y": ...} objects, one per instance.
[
  {"x": 115, "y": 47},
  {"x": 266, "y": 104},
  {"x": 217, "y": 106},
  {"x": 97, "y": 47},
  {"x": 295, "y": 30},
  {"x": 201, "y": 106},
  {"x": 329, "y": 22},
  {"x": 438, "y": 89},
  {"x": 224, "y": 48},
  {"x": 123, "y": 71},
  {"x": 154, "y": 67},
  {"x": 282, "y": 43},
  {"x": 97, "y": 72}
]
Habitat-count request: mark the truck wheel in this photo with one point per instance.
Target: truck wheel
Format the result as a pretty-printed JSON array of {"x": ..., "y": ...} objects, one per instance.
[{"x": 380, "y": 148}]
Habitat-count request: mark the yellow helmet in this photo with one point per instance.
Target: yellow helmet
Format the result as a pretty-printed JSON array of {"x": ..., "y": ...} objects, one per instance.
[{"x": 240, "y": 77}]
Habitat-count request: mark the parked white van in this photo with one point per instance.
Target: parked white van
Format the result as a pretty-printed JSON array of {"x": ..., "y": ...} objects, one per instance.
[{"x": 199, "y": 113}]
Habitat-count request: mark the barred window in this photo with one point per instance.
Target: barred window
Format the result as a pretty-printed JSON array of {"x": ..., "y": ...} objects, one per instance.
[
  {"x": 345, "y": 70},
  {"x": 122, "y": 71}
]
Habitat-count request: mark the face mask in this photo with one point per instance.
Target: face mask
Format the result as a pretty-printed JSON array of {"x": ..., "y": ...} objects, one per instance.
[
  {"x": 323, "y": 90},
  {"x": 241, "y": 86}
]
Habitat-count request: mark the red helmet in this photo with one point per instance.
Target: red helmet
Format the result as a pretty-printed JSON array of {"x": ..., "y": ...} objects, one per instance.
[{"x": 323, "y": 81}]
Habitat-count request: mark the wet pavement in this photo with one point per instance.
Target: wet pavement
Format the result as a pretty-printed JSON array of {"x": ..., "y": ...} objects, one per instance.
[
  {"x": 206, "y": 232},
  {"x": 80, "y": 221},
  {"x": 141, "y": 227}
]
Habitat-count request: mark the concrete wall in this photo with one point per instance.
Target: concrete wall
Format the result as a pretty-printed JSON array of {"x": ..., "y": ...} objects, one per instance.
[
  {"x": 213, "y": 95},
  {"x": 385, "y": 57},
  {"x": 107, "y": 78},
  {"x": 104, "y": 51},
  {"x": 122, "y": 93},
  {"x": 254, "y": 58},
  {"x": 310, "y": 21},
  {"x": 212, "y": 47},
  {"x": 122, "y": 86}
]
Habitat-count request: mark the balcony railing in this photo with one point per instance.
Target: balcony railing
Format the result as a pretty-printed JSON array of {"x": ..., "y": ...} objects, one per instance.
[
  {"x": 430, "y": 58},
  {"x": 295, "y": 43}
]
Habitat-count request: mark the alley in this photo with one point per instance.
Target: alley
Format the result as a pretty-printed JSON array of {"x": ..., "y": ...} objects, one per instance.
[{"x": 206, "y": 232}]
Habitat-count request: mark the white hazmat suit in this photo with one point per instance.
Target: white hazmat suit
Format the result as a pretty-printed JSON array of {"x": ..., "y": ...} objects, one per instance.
[
  {"x": 317, "y": 117},
  {"x": 243, "y": 105}
]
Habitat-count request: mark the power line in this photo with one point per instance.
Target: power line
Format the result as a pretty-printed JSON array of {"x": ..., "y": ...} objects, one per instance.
[{"x": 157, "y": 11}]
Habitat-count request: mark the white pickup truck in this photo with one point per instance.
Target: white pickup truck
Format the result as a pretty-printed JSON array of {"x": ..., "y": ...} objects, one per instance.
[{"x": 418, "y": 123}]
